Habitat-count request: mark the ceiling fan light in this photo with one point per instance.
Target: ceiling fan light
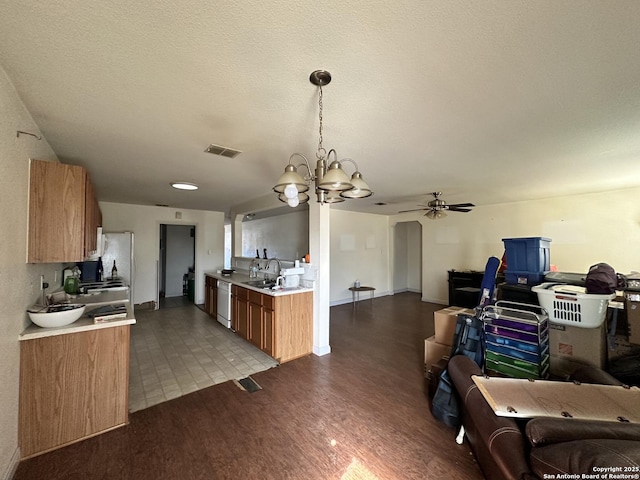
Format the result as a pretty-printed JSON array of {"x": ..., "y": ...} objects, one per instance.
[
  {"x": 435, "y": 214},
  {"x": 335, "y": 180},
  {"x": 293, "y": 202},
  {"x": 290, "y": 177},
  {"x": 360, "y": 188}
]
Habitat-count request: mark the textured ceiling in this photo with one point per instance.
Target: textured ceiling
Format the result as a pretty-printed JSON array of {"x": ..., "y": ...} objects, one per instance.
[{"x": 487, "y": 101}]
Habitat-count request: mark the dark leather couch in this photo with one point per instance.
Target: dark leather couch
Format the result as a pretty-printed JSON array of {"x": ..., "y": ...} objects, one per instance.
[{"x": 506, "y": 448}]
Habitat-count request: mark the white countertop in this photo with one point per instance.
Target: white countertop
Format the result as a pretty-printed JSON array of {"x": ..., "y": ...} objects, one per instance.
[
  {"x": 238, "y": 278},
  {"x": 85, "y": 323}
]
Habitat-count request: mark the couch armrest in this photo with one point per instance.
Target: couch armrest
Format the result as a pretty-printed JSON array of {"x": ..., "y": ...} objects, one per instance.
[
  {"x": 547, "y": 431},
  {"x": 497, "y": 442}
]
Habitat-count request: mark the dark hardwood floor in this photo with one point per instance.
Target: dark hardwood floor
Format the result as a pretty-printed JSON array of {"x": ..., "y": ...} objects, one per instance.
[{"x": 358, "y": 413}]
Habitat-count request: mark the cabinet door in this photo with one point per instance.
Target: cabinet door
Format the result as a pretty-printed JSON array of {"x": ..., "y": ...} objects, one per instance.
[
  {"x": 56, "y": 212},
  {"x": 255, "y": 324},
  {"x": 72, "y": 387},
  {"x": 268, "y": 344},
  {"x": 234, "y": 307},
  {"x": 93, "y": 218},
  {"x": 242, "y": 306},
  {"x": 207, "y": 294}
]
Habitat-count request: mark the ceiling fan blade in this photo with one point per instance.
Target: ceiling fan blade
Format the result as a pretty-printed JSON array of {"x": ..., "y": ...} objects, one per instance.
[
  {"x": 457, "y": 209},
  {"x": 462, "y": 205},
  {"x": 413, "y": 210}
]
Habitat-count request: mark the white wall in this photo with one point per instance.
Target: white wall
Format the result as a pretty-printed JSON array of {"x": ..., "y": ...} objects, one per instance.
[
  {"x": 284, "y": 236},
  {"x": 360, "y": 249},
  {"x": 144, "y": 222},
  {"x": 19, "y": 281},
  {"x": 584, "y": 229},
  {"x": 180, "y": 251}
]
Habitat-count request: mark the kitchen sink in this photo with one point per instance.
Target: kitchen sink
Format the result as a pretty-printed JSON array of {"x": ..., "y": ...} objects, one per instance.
[{"x": 261, "y": 283}]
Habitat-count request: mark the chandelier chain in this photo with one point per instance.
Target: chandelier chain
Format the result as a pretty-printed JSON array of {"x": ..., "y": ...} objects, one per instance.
[{"x": 321, "y": 153}]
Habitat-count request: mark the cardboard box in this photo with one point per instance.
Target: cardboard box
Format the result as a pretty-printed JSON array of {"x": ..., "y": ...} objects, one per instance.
[
  {"x": 433, "y": 351},
  {"x": 632, "y": 308},
  {"x": 572, "y": 347},
  {"x": 445, "y": 323}
]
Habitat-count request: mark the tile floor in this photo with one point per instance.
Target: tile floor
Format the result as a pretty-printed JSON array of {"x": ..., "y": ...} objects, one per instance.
[{"x": 175, "y": 351}]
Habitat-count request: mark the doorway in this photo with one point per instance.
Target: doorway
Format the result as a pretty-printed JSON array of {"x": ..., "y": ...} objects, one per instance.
[
  {"x": 176, "y": 267},
  {"x": 407, "y": 257}
]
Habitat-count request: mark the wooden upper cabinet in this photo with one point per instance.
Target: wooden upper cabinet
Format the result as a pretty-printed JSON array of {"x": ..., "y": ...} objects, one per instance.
[
  {"x": 63, "y": 213},
  {"x": 93, "y": 218}
]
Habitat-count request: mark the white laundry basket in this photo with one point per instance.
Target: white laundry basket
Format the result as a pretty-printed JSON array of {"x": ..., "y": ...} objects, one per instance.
[{"x": 571, "y": 305}]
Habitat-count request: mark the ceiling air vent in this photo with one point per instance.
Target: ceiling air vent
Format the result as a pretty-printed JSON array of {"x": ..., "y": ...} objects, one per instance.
[{"x": 223, "y": 151}]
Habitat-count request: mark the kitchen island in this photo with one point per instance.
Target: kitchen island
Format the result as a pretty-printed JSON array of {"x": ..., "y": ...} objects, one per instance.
[
  {"x": 279, "y": 322},
  {"x": 74, "y": 380}
]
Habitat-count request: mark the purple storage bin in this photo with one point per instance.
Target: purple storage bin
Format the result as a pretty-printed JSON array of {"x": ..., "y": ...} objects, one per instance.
[
  {"x": 529, "y": 327},
  {"x": 506, "y": 332}
]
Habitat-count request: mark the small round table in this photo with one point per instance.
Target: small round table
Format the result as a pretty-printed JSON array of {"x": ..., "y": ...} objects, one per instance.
[{"x": 355, "y": 294}]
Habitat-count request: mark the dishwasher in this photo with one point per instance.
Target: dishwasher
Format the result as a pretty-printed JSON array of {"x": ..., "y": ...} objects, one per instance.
[{"x": 224, "y": 303}]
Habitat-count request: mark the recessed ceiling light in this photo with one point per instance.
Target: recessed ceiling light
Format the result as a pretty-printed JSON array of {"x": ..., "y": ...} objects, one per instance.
[{"x": 184, "y": 186}]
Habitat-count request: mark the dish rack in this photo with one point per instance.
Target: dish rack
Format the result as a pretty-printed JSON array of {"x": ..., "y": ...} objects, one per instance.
[
  {"x": 571, "y": 305},
  {"x": 516, "y": 340}
]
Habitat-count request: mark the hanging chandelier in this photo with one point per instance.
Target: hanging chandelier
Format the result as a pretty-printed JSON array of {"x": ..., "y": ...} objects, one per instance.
[{"x": 332, "y": 185}]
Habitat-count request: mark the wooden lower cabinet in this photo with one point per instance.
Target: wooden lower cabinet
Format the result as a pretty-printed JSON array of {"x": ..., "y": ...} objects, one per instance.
[
  {"x": 281, "y": 326},
  {"x": 240, "y": 300},
  {"x": 211, "y": 296},
  {"x": 255, "y": 319},
  {"x": 267, "y": 332},
  {"x": 72, "y": 386}
]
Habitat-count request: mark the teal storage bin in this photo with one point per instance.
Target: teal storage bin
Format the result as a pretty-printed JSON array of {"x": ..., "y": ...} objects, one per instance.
[{"x": 528, "y": 254}]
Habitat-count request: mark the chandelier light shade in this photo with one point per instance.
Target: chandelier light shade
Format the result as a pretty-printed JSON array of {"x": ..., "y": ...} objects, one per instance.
[
  {"x": 289, "y": 178},
  {"x": 297, "y": 199},
  {"x": 360, "y": 188},
  {"x": 332, "y": 184},
  {"x": 335, "y": 180}
]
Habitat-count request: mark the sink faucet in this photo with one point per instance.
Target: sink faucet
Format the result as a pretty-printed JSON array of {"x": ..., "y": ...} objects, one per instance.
[{"x": 274, "y": 259}]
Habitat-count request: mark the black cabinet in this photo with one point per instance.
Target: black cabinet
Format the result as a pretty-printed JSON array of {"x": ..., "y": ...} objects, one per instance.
[
  {"x": 517, "y": 293},
  {"x": 464, "y": 288}
]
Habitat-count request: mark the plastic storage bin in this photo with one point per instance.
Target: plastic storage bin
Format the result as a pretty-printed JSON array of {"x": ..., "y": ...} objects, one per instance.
[
  {"x": 523, "y": 278},
  {"x": 516, "y": 340},
  {"x": 571, "y": 305},
  {"x": 529, "y": 254}
]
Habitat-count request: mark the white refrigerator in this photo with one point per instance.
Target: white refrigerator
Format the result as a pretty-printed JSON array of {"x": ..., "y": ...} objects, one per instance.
[{"x": 118, "y": 248}]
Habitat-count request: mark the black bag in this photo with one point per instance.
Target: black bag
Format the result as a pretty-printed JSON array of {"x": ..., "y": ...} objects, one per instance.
[
  {"x": 601, "y": 278},
  {"x": 468, "y": 340},
  {"x": 445, "y": 406}
]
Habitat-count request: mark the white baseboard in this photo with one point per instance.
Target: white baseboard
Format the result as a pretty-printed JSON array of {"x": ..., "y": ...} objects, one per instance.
[
  {"x": 435, "y": 300},
  {"x": 320, "y": 351},
  {"x": 13, "y": 465}
]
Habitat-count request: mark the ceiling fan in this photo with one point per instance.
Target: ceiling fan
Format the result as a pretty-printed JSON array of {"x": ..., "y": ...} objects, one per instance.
[{"x": 436, "y": 207}]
